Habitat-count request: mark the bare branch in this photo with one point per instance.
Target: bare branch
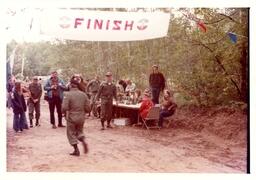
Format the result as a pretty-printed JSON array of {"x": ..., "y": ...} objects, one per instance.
[
  {"x": 229, "y": 17},
  {"x": 217, "y": 58}
]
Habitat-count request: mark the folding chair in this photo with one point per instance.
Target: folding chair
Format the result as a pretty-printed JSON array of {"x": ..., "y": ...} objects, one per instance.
[
  {"x": 151, "y": 121},
  {"x": 168, "y": 121}
]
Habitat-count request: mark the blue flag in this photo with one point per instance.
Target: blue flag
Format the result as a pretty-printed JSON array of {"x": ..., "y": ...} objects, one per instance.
[{"x": 233, "y": 37}]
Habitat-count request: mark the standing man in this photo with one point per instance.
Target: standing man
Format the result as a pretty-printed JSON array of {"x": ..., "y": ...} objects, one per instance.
[
  {"x": 55, "y": 87},
  {"x": 93, "y": 88},
  {"x": 106, "y": 93},
  {"x": 35, "y": 89},
  {"x": 156, "y": 83},
  {"x": 75, "y": 105}
]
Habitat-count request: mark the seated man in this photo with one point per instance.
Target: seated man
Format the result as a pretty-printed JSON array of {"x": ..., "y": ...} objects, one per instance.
[
  {"x": 146, "y": 104},
  {"x": 168, "y": 107},
  {"x": 120, "y": 90},
  {"x": 130, "y": 87},
  {"x": 119, "y": 86}
]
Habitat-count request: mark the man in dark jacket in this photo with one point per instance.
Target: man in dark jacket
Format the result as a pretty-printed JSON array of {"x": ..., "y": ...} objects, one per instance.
[
  {"x": 35, "y": 89},
  {"x": 156, "y": 83},
  {"x": 19, "y": 108}
]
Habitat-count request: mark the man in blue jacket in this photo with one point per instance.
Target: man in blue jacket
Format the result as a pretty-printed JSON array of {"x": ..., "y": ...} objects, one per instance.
[{"x": 55, "y": 87}]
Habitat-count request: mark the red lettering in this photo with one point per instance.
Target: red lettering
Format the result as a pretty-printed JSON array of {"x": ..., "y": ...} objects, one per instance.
[
  {"x": 78, "y": 21},
  {"x": 88, "y": 23},
  {"x": 98, "y": 23},
  {"x": 117, "y": 25},
  {"x": 128, "y": 25},
  {"x": 107, "y": 25}
]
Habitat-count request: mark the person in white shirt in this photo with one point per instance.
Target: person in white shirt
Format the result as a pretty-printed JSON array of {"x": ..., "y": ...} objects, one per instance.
[{"x": 130, "y": 87}]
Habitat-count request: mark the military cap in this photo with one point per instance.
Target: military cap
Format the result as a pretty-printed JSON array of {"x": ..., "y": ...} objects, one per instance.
[{"x": 74, "y": 80}]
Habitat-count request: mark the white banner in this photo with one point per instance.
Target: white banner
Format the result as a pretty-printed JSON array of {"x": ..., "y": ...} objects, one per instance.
[{"x": 104, "y": 25}]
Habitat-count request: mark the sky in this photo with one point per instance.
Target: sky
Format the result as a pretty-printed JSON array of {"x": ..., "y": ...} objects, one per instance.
[{"x": 23, "y": 24}]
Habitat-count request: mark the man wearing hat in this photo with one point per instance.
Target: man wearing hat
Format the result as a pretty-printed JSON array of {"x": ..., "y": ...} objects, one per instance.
[
  {"x": 106, "y": 93},
  {"x": 55, "y": 87},
  {"x": 35, "y": 90},
  {"x": 156, "y": 83},
  {"x": 82, "y": 84},
  {"x": 75, "y": 105}
]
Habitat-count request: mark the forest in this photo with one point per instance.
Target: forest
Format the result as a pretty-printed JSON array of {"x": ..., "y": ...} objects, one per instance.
[
  {"x": 202, "y": 64},
  {"x": 205, "y": 60}
]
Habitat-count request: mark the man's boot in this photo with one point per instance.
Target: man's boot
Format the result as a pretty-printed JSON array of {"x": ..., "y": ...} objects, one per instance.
[
  {"x": 109, "y": 126},
  {"x": 31, "y": 123},
  {"x": 60, "y": 124},
  {"x": 102, "y": 125},
  {"x": 95, "y": 114},
  {"x": 37, "y": 122},
  {"x": 76, "y": 151},
  {"x": 84, "y": 144}
]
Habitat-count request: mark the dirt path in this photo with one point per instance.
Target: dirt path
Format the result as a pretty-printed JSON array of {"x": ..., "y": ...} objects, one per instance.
[{"x": 122, "y": 149}]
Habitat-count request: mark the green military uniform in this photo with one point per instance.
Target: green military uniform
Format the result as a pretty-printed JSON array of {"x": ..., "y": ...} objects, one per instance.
[
  {"x": 106, "y": 93},
  {"x": 93, "y": 88},
  {"x": 35, "y": 90},
  {"x": 77, "y": 104}
]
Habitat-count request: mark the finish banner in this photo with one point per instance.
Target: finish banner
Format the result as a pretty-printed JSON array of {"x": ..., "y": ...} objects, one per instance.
[{"x": 87, "y": 25}]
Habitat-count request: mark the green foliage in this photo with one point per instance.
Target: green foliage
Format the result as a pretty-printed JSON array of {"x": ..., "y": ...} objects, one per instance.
[{"x": 202, "y": 68}]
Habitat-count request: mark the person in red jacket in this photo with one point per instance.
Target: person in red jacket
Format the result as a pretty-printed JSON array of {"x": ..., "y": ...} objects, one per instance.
[{"x": 146, "y": 104}]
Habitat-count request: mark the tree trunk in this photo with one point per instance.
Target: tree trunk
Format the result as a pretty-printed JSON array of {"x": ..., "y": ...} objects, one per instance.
[
  {"x": 244, "y": 73},
  {"x": 244, "y": 56}
]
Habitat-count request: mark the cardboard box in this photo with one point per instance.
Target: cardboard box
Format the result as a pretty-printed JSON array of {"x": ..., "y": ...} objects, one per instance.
[{"x": 122, "y": 121}]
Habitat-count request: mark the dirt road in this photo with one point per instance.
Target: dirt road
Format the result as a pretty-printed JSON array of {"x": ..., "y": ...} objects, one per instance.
[{"x": 122, "y": 149}]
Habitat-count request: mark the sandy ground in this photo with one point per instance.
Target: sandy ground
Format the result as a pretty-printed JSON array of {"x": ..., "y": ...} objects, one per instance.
[{"x": 122, "y": 149}]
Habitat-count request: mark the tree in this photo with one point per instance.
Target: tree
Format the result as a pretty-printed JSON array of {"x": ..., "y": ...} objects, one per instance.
[{"x": 204, "y": 68}]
